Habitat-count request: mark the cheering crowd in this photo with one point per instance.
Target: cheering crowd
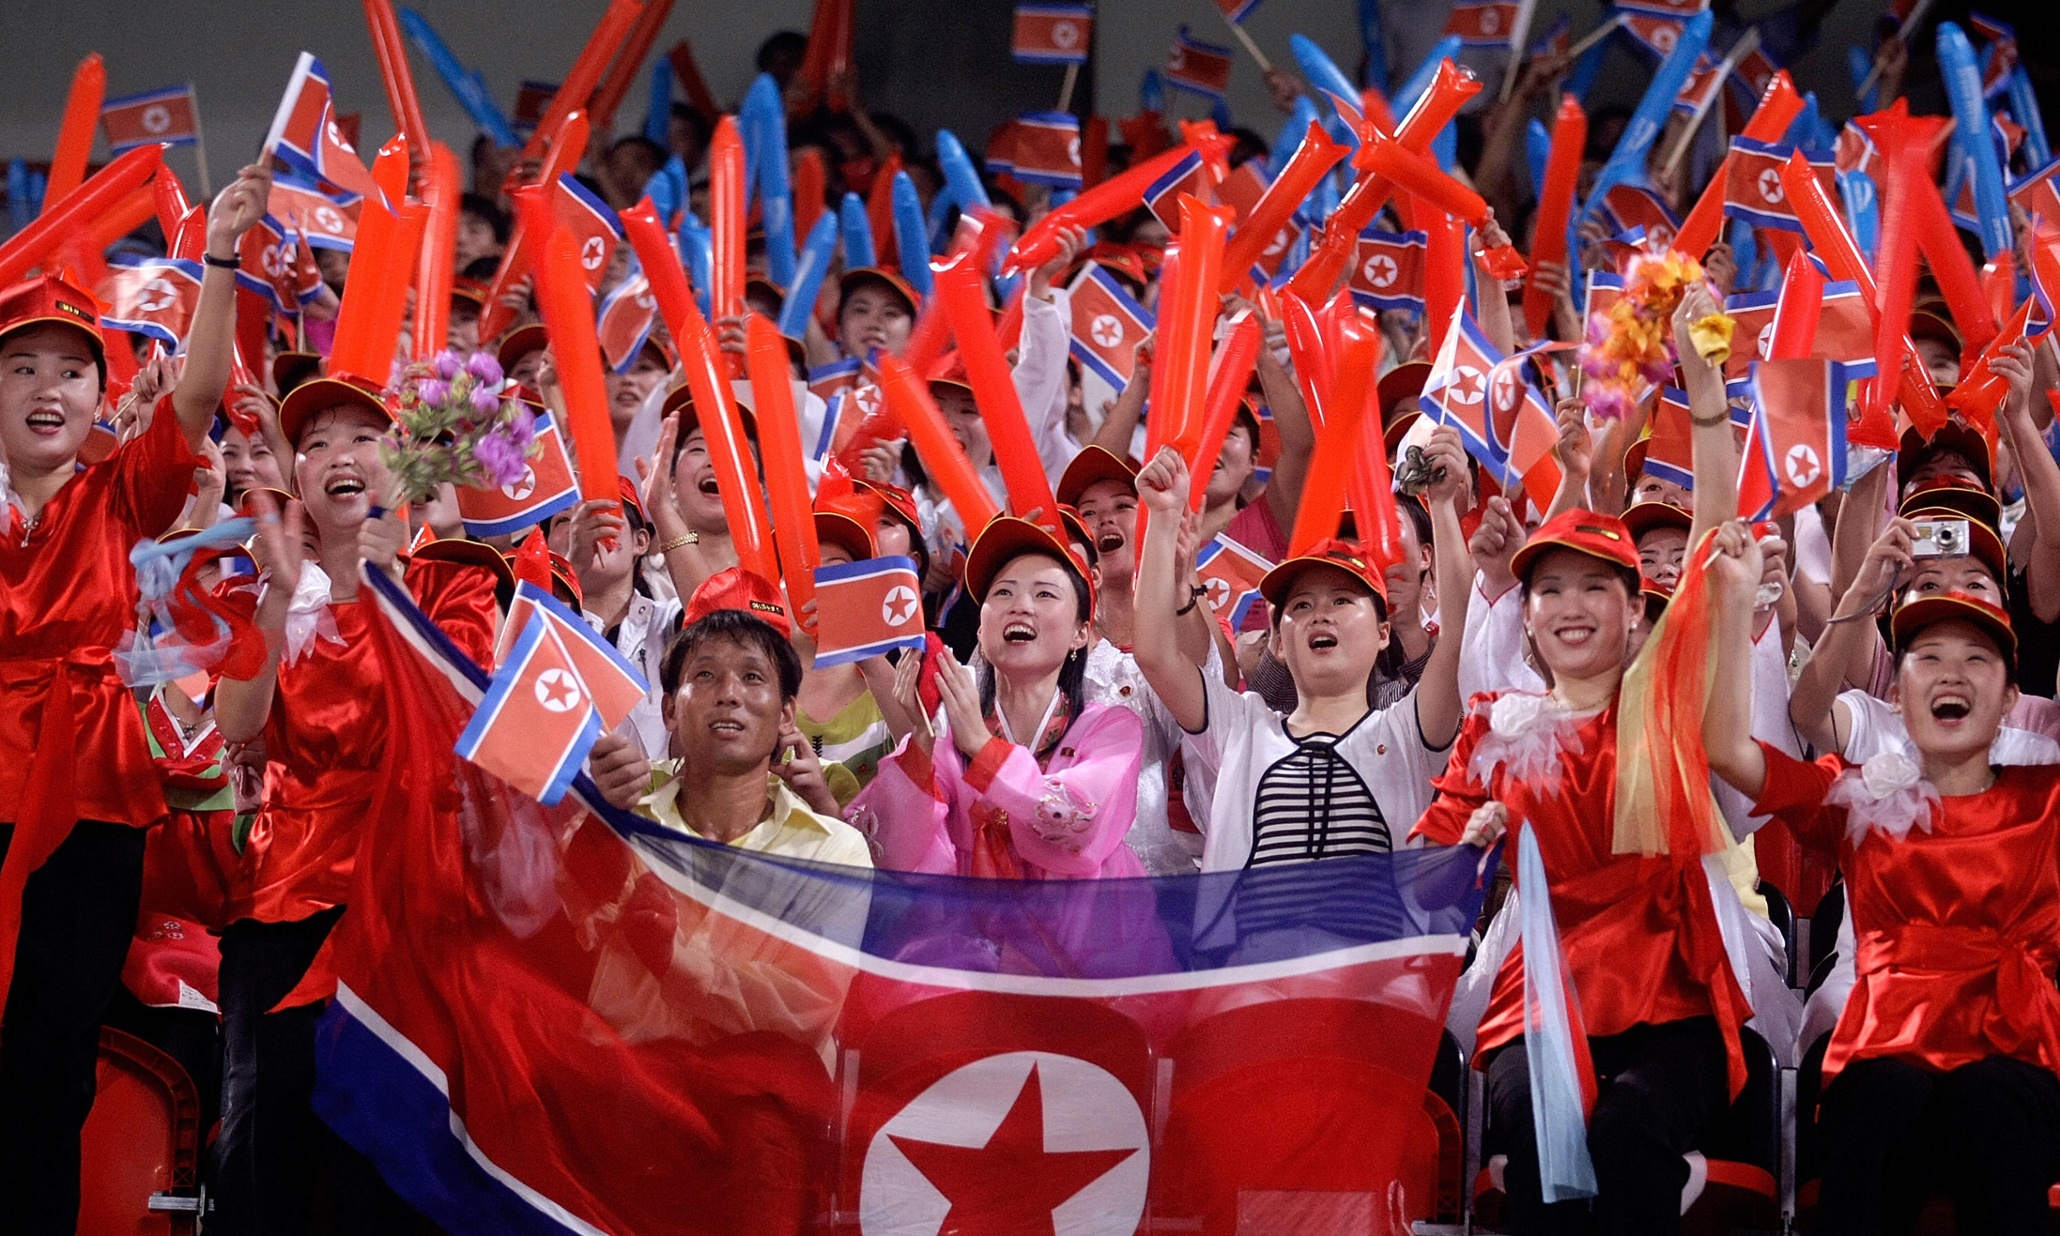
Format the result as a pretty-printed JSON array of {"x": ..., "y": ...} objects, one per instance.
[{"x": 1723, "y": 585}]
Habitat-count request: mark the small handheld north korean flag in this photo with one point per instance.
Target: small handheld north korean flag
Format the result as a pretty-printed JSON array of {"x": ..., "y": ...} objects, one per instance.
[
  {"x": 1854, "y": 150},
  {"x": 1455, "y": 392},
  {"x": 1670, "y": 445},
  {"x": 1053, "y": 33},
  {"x": 305, "y": 134},
  {"x": 1162, "y": 197},
  {"x": 1654, "y": 34},
  {"x": 1700, "y": 90},
  {"x": 628, "y": 313},
  {"x": 323, "y": 220},
  {"x": 1752, "y": 184},
  {"x": 1628, "y": 208},
  {"x": 1108, "y": 324},
  {"x": 1045, "y": 149},
  {"x": 1999, "y": 58},
  {"x": 611, "y": 683},
  {"x": 535, "y": 726},
  {"x": 1749, "y": 77},
  {"x": 867, "y": 608},
  {"x": 1604, "y": 289},
  {"x": 1752, "y": 329},
  {"x": 593, "y": 225},
  {"x": 1795, "y": 450},
  {"x": 1201, "y": 67},
  {"x": 1237, "y": 10},
  {"x": 1483, "y": 23},
  {"x": 547, "y": 487},
  {"x": 154, "y": 297},
  {"x": 2037, "y": 193},
  {"x": 1524, "y": 428},
  {"x": 169, "y": 115},
  {"x": 1231, "y": 573},
  {"x": 1387, "y": 270}
]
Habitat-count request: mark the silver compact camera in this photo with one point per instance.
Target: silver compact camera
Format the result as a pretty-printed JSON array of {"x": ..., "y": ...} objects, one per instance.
[{"x": 1940, "y": 538}]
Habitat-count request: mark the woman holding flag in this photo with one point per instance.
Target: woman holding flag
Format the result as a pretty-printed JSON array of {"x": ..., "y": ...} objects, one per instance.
[
  {"x": 313, "y": 706},
  {"x": 79, "y": 788},
  {"x": 1636, "y": 908}
]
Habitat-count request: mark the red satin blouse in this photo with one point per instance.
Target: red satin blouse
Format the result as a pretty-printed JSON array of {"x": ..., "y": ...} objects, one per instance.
[
  {"x": 324, "y": 742},
  {"x": 67, "y": 596},
  {"x": 1958, "y": 927},
  {"x": 1640, "y": 934}
]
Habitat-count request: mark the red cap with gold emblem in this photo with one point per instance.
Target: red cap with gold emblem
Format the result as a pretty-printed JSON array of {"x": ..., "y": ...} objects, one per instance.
[
  {"x": 1336, "y": 553},
  {"x": 1584, "y": 532},
  {"x": 50, "y": 299},
  {"x": 317, "y": 394},
  {"x": 739, "y": 589},
  {"x": 1913, "y": 617},
  {"x": 1006, "y": 538}
]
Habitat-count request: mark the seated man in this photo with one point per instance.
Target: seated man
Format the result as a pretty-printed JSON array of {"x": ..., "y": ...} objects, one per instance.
[{"x": 743, "y": 775}]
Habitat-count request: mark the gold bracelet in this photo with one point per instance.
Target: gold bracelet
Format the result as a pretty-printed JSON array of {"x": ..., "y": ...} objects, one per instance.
[{"x": 689, "y": 537}]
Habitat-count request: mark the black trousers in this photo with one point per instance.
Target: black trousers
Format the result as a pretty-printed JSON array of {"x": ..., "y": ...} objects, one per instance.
[
  {"x": 274, "y": 1156},
  {"x": 78, "y": 914},
  {"x": 1987, "y": 1134},
  {"x": 1660, "y": 1088}
]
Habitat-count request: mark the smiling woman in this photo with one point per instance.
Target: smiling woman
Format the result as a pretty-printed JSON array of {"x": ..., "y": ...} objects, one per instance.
[
  {"x": 1944, "y": 1071},
  {"x": 78, "y": 790},
  {"x": 1017, "y": 777},
  {"x": 311, "y": 704}
]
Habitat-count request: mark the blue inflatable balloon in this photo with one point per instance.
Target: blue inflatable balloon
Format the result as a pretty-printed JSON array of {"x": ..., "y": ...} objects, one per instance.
[
  {"x": 697, "y": 250},
  {"x": 1862, "y": 209},
  {"x": 658, "y": 109},
  {"x": 1373, "y": 37},
  {"x": 858, "y": 232},
  {"x": 768, "y": 153},
  {"x": 911, "y": 237},
  {"x": 1962, "y": 75},
  {"x": 1537, "y": 150},
  {"x": 809, "y": 270},
  {"x": 2024, "y": 105}
]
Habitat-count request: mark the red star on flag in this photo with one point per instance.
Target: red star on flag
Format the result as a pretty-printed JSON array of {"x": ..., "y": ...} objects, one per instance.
[{"x": 1012, "y": 1184}]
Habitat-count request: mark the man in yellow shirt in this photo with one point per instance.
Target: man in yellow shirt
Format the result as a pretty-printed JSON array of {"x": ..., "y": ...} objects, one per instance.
[{"x": 744, "y": 776}]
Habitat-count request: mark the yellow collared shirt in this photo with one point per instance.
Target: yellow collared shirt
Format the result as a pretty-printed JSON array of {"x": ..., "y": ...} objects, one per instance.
[{"x": 789, "y": 828}]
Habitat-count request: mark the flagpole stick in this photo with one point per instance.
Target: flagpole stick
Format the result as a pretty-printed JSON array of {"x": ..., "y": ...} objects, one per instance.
[
  {"x": 1518, "y": 36},
  {"x": 1066, "y": 89},
  {"x": 1258, "y": 57},
  {"x": 207, "y": 191},
  {"x": 1593, "y": 37},
  {"x": 1746, "y": 45},
  {"x": 1903, "y": 33}
]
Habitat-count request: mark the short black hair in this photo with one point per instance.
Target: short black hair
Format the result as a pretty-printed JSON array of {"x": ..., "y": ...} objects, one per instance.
[
  {"x": 787, "y": 42},
  {"x": 486, "y": 208},
  {"x": 738, "y": 627}
]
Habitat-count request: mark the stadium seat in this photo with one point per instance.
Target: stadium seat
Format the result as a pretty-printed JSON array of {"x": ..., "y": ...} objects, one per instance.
[{"x": 141, "y": 1144}]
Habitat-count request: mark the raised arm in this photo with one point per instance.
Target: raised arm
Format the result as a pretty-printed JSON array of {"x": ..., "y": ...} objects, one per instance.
[
  {"x": 1174, "y": 678},
  {"x": 1714, "y": 448},
  {"x": 1120, "y": 425},
  {"x": 1439, "y": 706},
  {"x": 2041, "y": 477},
  {"x": 211, "y": 343},
  {"x": 1297, "y": 436},
  {"x": 1576, "y": 457},
  {"x": 1850, "y": 635},
  {"x": 1734, "y": 754},
  {"x": 1493, "y": 309},
  {"x": 242, "y": 705}
]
